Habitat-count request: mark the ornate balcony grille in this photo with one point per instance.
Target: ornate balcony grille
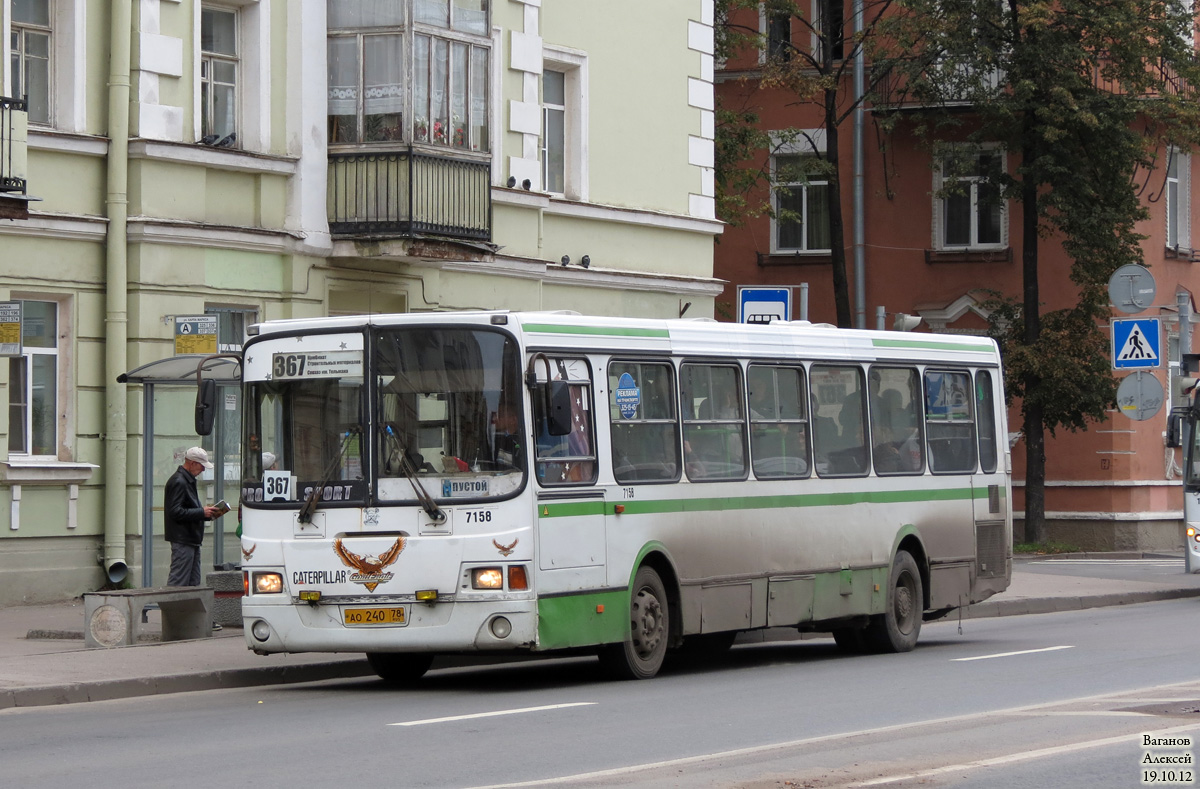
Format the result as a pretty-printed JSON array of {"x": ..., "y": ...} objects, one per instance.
[
  {"x": 408, "y": 193},
  {"x": 12, "y": 145}
]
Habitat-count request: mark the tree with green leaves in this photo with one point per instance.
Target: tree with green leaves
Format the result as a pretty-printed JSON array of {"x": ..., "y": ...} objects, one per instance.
[
  {"x": 815, "y": 70},
  {"x": 1088, "y": 98}
]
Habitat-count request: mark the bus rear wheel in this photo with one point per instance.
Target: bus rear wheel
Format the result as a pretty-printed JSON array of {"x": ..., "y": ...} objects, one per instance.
[
  {"x": 897, "y": 629},
  {"x": 399, "y": 667},
  {"x": 641, "y": 654}
]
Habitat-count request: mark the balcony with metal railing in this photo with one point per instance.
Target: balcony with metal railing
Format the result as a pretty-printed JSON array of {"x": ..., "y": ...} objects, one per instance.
[
  {"x": 408, "y": 193},
  {"x": 14, "y": 202}
]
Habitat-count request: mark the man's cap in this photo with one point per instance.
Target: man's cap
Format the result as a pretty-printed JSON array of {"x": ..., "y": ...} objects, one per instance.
[
  {"x": 198, "y": 455},
  {"x": 268, "y": 460}
]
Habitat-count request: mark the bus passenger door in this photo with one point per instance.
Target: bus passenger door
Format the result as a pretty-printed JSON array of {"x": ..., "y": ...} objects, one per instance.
[
  {"x": 570, "y": 508},
  {"x": 990, "y": 493}
]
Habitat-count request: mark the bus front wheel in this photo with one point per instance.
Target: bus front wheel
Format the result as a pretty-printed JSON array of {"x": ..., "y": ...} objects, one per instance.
[
  {"x": 897, "y": 629},
  {"x": 399, "y": 667},
  {"x": 641, "y": 655}
]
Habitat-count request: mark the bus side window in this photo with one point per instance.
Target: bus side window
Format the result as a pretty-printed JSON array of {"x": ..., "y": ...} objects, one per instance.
[
  {"x": 839, "y": 417},
  {"x": 569, "y": 459},
  {"x": 645, "y": 430},
  {"x": 714, "y": 441},
  {"x": 896, "y": 435},
  {"x": 778, "y": 424},
  {"x": 986, "y": 408},
  {"x": 949, "y": 423}
]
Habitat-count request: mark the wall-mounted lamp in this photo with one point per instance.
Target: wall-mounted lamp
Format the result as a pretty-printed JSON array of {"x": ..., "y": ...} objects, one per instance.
[
  {"x": 566, "y": 259},
  {"x": 586, "y": 261},
  {"x": 512, "y": 181}
]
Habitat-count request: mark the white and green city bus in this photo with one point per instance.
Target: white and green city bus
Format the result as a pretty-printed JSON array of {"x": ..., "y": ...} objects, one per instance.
[{"x": 482, "y": 482}]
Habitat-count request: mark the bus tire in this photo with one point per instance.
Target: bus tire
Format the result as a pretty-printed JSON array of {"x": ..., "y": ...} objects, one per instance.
[
  {"x": 397, "y": 668},
  {"x": 641, "y": 654},
  {"x": 897, "y": 628}
]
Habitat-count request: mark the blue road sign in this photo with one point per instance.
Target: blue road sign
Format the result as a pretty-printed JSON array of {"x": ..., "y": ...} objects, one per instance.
[
  {"x": 1136, "y": 344},
  {"x": 763, "y": 305}
]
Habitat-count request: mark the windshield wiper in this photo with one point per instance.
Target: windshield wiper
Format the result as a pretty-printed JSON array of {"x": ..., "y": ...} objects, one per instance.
[
  {"x": 427, "y": 503},
  {"x": 314, "y": 498}
]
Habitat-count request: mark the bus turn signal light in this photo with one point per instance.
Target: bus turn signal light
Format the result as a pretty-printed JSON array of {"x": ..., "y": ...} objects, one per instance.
[{"x": 517, "y": 579}]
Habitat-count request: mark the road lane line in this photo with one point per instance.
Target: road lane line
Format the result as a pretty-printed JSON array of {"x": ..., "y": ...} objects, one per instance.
[
  {"x": 1009, "y": 654},
  {"x": 1020, "y": 757},
  {"x": 494, "y": 714},
  {"x": 687, "y": 761}
]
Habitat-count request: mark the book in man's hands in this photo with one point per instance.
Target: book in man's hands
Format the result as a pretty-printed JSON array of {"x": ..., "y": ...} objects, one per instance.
[{"x": 222, "y": 507}]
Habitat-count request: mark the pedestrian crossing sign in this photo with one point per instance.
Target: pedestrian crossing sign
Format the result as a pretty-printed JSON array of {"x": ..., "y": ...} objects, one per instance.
[{"x": 1136, "y": 344}]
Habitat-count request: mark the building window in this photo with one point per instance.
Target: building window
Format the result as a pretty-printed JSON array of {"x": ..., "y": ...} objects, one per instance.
[
  {"x": 231, "y": 326},
  {"x": 564, "y": 122},
  {"x": 970, "y": 212},
  {"x": 777, "y": 29},
  {"x": 33, "y": 383},
  {"x": 829, "y": 18},
  {"x": 370, "y": 99},
  {"x": 218, "y": 76},
  {"x": 30, "y": 52},
  {"x": 1178, "y": 191},
  {"x": 800, "y": 221},
  {"x": 554, "y": 118}
]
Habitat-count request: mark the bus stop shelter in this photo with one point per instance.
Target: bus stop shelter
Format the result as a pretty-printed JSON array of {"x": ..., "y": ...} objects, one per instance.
[{"x": 168, "y": 429}]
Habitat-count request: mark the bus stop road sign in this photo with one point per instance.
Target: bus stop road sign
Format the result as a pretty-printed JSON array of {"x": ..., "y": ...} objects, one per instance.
[{"x": 1136, "y": 344}]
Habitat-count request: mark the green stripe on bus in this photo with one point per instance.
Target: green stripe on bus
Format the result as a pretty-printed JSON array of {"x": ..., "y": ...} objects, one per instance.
[
  {"x": 550, "y": 328},
  {"x": 933, "y": 345},
  {"x": 583, "y": 619},
  {"x": 655, "y": 506}
]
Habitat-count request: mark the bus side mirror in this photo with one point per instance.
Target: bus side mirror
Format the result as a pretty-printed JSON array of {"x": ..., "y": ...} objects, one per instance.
[
  {"x": 206, "y": 406},
  {"x": 1175, "y": 427},
  {"x": 558, "y": 411}
]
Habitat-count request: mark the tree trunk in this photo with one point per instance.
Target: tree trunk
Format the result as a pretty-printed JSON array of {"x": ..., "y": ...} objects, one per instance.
[
  {"x": 1035, "y": 428},
  {"x": 837, "y": 227}
]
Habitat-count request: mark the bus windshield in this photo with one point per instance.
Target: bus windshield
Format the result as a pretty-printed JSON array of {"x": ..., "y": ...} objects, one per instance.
[
  {"x": 304, "y": 433},
  {"x": 448, "y": 413}
]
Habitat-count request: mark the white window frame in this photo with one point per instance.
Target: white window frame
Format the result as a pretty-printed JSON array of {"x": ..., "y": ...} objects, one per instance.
[
  {"x": 573, "y": 64},
  {"x": 818, "y": 12},
  {"x": 60, "y": 352},
  {"x": 248, "y": 315},
  {"x": 210, "y": 57},
  {"x": 10, "y": 28},
  {"x": 764, "y": 30},
  {"x": 1177, "y": 221},
  {"x": 253, "y": 124},
  {"x": 810, "y": 142},
  {"x": 939, "y": 181},
  {"x": 68, "y": 63}
]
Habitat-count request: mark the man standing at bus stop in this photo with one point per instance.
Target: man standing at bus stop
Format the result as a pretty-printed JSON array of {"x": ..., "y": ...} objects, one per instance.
[{"x": 184, "y": 517}]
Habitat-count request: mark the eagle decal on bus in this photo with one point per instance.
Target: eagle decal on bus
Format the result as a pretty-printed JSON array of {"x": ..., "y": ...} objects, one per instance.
[{"x": 370, "y": 568}]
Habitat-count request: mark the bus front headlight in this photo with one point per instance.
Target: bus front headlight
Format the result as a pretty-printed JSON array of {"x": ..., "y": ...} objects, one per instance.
[
  {"x": 487, "y": 578},
  {"x": 268, "y": 583}
]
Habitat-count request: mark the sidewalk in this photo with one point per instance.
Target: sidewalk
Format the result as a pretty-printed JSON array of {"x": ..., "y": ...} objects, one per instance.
[{"x": 43, "y": 660}]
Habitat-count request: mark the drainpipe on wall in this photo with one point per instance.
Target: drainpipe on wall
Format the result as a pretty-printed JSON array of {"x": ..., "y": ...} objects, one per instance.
[
  {"x": 116, "y": 320},
  {"x": 860, "y": 264}
]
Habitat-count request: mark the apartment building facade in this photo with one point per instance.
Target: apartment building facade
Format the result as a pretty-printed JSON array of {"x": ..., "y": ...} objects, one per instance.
[{"x": 189, "y": 166}]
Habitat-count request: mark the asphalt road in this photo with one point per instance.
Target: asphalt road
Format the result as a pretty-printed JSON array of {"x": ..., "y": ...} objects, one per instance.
[{"x": 1055, "y": 699}]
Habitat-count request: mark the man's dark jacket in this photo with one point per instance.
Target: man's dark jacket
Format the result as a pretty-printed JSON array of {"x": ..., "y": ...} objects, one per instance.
[{"x": 183, "y": 515}]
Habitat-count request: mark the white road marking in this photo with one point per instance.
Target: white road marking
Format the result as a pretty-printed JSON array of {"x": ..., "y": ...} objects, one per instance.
[
  {"x": 757, "y": 749},
  {"x": 1012, "y": 758},
  {"x": 494, "y": 714},
  {"x": 1009, "y": 654}
]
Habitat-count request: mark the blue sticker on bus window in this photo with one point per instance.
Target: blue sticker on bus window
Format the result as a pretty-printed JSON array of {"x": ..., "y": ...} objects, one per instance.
[{"x": 629, "y": 397}]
